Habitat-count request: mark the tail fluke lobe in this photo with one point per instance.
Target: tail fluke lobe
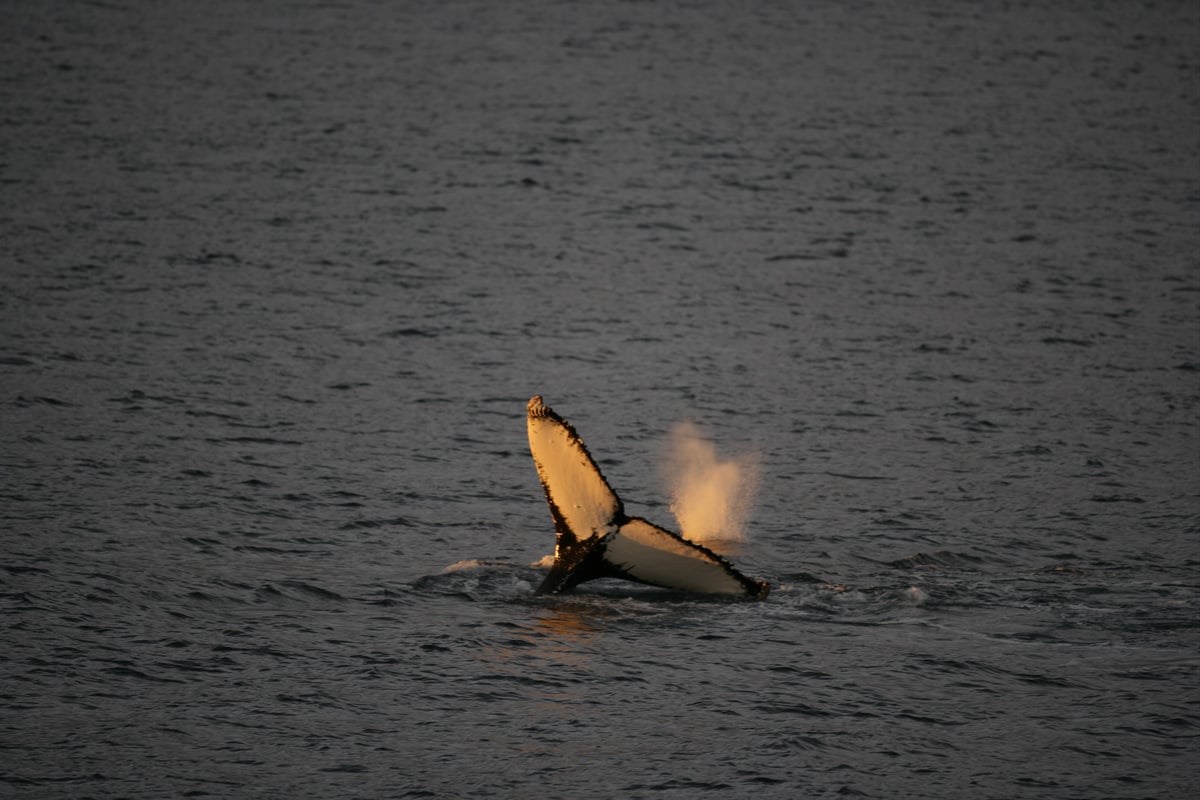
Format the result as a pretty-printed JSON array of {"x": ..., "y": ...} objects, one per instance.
[
  {"x": 644, "y": 552},
  {"x": 582, "y": 503}
]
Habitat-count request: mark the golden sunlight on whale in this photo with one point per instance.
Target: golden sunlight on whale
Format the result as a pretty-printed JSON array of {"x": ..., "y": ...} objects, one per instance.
[{"x": 595, "y": 538}]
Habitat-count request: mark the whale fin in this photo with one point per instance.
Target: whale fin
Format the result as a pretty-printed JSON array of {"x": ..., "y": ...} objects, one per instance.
[
  {"x": 646, "y": 553},
  {"x": 594, "y": 537},
  {"x": 582, "y": 503}
]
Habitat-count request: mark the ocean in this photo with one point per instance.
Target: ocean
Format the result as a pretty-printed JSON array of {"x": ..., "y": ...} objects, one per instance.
[{"x": 278, "y": 279}]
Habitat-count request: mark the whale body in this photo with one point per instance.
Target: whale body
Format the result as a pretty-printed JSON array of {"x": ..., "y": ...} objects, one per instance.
[{"x": 594, "y": 538}]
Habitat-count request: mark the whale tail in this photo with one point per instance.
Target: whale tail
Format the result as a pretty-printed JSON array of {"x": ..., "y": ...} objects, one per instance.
[{"x": 594, "y": 538}]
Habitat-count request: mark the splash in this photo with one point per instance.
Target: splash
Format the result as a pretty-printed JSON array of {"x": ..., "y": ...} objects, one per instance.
[{"x": 710, "y": 498}]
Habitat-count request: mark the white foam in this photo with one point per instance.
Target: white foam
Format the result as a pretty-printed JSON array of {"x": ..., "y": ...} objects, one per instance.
[{"x": 459, "y": 566}]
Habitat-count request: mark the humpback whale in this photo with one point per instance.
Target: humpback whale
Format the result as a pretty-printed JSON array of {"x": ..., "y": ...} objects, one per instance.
[{"x": 594, "y": 538}]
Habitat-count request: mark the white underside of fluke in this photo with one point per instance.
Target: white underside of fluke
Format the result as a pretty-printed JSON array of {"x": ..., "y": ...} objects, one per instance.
[
  {"x": 652, "y": 555},
  {"x": 595, "y": 537},
  {"x": 574, "y": 486}
]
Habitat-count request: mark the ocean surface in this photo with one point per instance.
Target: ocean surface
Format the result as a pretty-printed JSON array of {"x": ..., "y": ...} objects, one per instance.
[{"x": 277, "y": 280}]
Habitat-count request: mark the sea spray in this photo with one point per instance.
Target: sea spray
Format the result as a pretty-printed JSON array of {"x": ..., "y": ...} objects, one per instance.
[{"x": 710, "y": 498}]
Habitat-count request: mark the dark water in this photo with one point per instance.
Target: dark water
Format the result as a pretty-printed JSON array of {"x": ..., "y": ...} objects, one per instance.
[{"x": 277, "y": 280}]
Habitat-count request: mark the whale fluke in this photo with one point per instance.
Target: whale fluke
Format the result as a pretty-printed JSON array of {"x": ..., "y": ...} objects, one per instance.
[{"x": 595, "y": 538}]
